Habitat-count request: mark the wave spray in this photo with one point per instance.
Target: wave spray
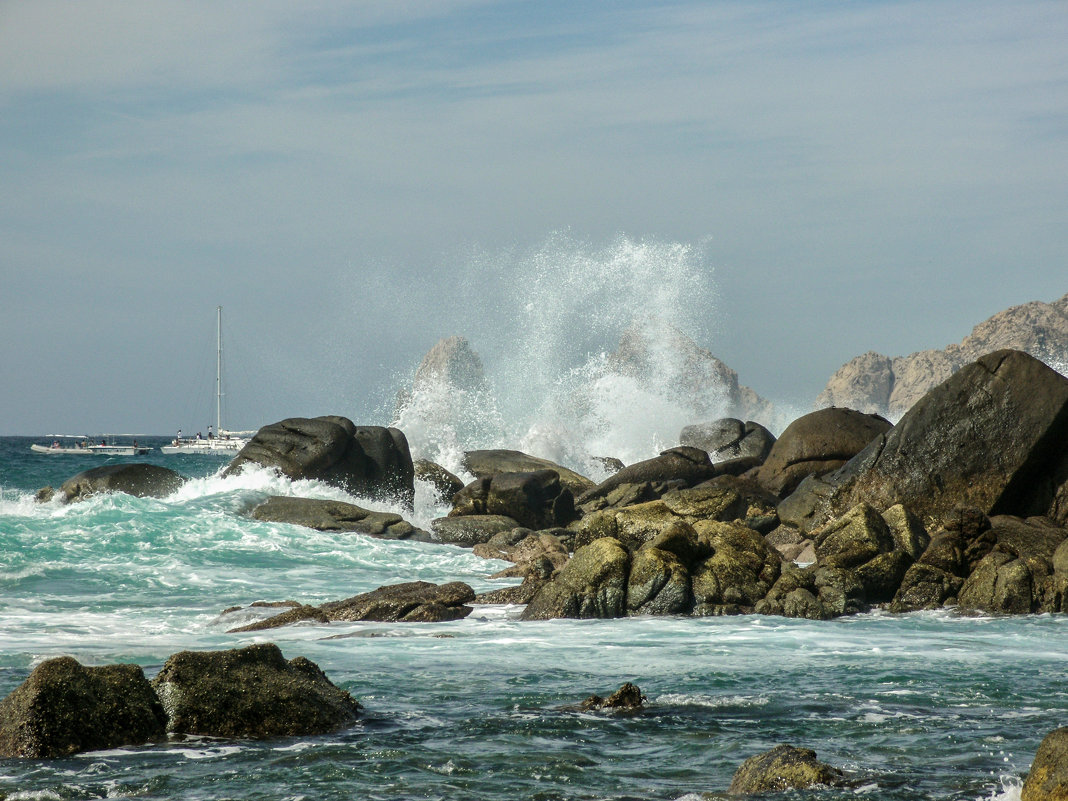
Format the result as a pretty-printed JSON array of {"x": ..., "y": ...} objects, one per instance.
[{"x": 585, "y": 352}]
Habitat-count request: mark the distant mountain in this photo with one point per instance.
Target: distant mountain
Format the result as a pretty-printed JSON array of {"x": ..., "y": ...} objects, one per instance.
[{"x": 879, "y": 384}]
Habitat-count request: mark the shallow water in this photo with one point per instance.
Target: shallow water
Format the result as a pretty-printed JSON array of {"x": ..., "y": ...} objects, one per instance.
[{"x": 921, "y": 706}]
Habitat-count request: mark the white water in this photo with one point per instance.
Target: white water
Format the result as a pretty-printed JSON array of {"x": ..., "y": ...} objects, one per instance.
[{"x": 554, "y": 387}]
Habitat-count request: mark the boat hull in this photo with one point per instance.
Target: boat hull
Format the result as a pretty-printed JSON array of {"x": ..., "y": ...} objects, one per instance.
[{"x": 92, "y": 450}]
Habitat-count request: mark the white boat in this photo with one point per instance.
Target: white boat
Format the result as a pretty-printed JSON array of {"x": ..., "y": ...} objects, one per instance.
[
  {"x": 219, "y": 442},
  {"x": 84, "y": 446}
]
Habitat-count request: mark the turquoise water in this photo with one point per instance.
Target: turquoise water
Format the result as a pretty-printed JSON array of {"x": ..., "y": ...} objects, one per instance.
[{"x": 923, "y": 706}]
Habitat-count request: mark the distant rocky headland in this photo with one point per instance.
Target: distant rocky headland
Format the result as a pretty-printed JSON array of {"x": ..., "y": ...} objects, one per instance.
[{"x": 889, "y": 386}]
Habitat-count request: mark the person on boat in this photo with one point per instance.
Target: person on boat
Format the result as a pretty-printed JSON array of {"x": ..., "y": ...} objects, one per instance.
[
  {"x": 55, "y": 443},
  {"x": 199, "y": 437},
  {"x": 210, "y": 434}
]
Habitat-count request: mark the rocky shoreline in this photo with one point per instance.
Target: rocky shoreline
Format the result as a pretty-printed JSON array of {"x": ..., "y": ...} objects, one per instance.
[{"x": 962, "y": 504}]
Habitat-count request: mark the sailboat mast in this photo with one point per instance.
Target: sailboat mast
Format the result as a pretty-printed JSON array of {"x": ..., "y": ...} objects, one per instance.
[{"x": 218, "y": 371}]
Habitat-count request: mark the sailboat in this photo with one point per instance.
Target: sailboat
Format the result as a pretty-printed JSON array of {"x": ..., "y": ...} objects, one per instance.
[{"x": 219, "y": 442}]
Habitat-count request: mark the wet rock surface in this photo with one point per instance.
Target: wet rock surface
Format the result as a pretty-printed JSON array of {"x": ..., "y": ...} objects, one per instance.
[
  {"x": 66, "y": 708},
  {"x": 328, "y": 515},
  {"x": 138, "y": 479},
  {"x": 370, "y": 461},
  {"x": 251, "y": 692}
]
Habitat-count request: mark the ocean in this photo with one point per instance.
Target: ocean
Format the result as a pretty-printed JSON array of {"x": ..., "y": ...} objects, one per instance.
[{"x": 918, "y": 706}]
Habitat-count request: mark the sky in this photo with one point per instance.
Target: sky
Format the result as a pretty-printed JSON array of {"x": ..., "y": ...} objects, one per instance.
[{"x": 353, "y": 181}]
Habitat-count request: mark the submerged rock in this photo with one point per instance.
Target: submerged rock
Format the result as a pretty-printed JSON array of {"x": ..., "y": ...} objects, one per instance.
[
  {"x": 135, "y": 478},
  {"x": 783, "y": 768},
  {"x": 65, "y": 708},
  {"x": 328, "y": 515},
  {"x": 409, "y": 602},
  {"x": 627, "y": 697}
]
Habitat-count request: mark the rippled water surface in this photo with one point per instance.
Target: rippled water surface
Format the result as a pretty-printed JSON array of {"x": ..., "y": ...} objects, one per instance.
[{"x": 924, "y": 706}]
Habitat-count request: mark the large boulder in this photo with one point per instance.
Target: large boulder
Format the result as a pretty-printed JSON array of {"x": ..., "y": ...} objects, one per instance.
[
  {"x": 1048, "y": 778},
  {"x": 250, "y": 692},
  {"x": 410, "y": 602},
  {"x": 815, "y": 444},
  {"x": 592, "y": 585},
  {"x": 783, "y": 768},
  {"x": 483, "y": 463},
  {"x": 729, "y": 438},
  {"x": 64, "y": 708},
  {"x": 136, "y": 478},
  {"x": 684, "y": 464},
  {"x": 536, "y": 500},
  {"x": 991, "y": 437},
  {"x": 369, "y": 461},
  {"x": 329, "y": 515}
]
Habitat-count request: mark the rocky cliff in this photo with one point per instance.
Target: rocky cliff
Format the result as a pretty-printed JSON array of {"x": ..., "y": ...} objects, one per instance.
[{"x": 889, "y": 386}]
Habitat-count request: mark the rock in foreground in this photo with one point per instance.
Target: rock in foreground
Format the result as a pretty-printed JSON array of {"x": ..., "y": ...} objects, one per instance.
[
  {"x": 1048, "y": 779},
  {"x": 250, "y": 692},
  {"x": 784, "y": 767},
  {"x": 65, "y": 708}
]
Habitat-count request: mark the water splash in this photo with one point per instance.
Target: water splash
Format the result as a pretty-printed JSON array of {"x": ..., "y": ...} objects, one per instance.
[{"x": 590, "y": 351}]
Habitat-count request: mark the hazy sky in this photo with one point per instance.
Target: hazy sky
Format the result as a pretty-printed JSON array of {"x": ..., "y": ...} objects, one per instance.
[{"x": 352, "y": 181}]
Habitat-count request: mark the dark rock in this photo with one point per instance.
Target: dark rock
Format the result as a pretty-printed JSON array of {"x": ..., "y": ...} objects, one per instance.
[
  {"x": 783, "y": 768},
  {"x": 470, "y": 530},
  {"x": 630, "y": 495},
  {"x": 839, "y": 591},
  {"x": 805, "y": 507},
  {"x": 610, "y": 464},
  {"x": 44, "y": 494},
  {"x": 298, "y": 614},
  {"x": 592, "y": 585},
  {"x": 816, "y": 444},
  {"x": 328, "y": 515},
  {"x": 881, "y": 576},
  {"x": 658, "y": 584},
  {"x": 1048, "y": 778},
  {"x": 483, "y": 463},
  {"x": 729, "y": 438},
  {"x": 135, "y": 478},
  {"x": 535, "y": 500},
  {"x": 65, "y": 708},
  {"x": 445, "y": 483},
  {"x": 991, "y": 437},
  {"x": 627, "y": 696},
  {"x": 690, "y": 465},
  {"x": 413, "y": 601},
  {"x": 370, "y": 461},
  {"x": 250, "y": 692}
]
